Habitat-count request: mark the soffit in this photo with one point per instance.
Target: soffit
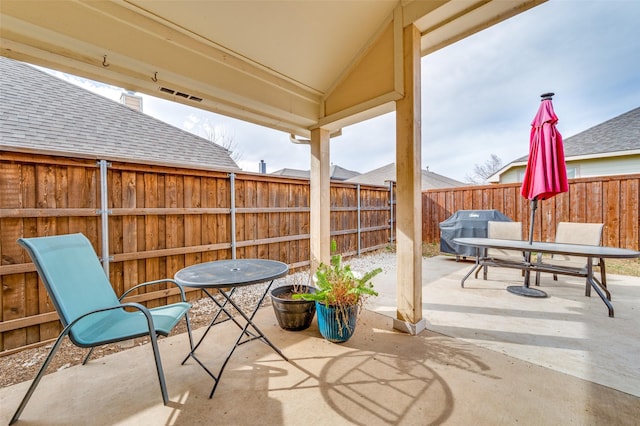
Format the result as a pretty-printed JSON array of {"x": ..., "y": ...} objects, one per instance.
[{"x": 267, "y": 62}]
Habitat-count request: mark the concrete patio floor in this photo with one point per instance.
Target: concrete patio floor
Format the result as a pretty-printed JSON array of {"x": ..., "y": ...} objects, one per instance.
[
  {"x": 558, "y": 360},
  {"x": 566, "y": 331}
]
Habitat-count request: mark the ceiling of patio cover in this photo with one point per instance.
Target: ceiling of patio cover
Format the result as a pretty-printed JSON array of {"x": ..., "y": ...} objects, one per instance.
[{"x": 289, "y": 65}]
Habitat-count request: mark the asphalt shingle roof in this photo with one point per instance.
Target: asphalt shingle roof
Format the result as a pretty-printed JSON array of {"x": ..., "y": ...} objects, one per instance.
[
  {"x": 382, "y": 175},
  {"x": 336, "y": 173},
  {"x": 621, "y": 133},
  {"x": 44, "y": 114}
]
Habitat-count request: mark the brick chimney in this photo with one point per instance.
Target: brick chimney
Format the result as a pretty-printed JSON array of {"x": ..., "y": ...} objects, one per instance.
[{"x": 130, "y": 99}]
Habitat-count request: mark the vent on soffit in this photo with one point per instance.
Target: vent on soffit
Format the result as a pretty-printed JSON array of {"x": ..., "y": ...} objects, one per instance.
[{"x": 180, "y": 94}]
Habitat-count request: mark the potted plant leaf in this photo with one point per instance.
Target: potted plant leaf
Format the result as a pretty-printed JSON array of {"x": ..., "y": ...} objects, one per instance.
[
  {"x": 293, "y": 314},
  {"x": 339, "y": 297}
]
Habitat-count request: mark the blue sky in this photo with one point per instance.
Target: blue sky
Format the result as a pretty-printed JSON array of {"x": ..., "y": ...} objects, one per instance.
[{"x": 478, "y": 95}]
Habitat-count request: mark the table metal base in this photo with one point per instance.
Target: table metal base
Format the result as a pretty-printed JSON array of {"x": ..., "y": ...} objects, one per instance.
[
  {"x": 521, "y": 290},
  {"x": 249, "y": 331}
]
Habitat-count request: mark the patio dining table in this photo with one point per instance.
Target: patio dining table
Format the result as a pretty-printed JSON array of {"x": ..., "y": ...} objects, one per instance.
[
  {"x": 227, "y": 276},
  {"x": 588, "y": 251}
]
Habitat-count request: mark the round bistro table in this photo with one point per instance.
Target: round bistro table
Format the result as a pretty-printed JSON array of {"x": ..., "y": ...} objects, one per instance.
[{"x": 226, "y": 276}]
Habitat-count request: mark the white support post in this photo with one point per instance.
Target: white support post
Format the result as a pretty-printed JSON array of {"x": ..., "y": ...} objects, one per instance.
[
  {"x": 320, "y": 198},
  {"x": 409, "y": 203}
]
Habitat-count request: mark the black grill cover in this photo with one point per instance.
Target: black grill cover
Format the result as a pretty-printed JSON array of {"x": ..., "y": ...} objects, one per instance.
[{"x": 466, "y": 223}]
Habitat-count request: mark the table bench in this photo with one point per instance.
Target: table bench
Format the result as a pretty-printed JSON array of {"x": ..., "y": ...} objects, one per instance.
[{"x": 588, "y": 251}]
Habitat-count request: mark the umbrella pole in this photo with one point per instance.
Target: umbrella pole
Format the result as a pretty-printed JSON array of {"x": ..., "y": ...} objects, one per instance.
[
  {"x": 534, "y": 207},
  {"x": 525, "y": 290}
]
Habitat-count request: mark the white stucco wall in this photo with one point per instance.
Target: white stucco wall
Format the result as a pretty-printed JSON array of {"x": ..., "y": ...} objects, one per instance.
[{"x": 607, "y": 166}]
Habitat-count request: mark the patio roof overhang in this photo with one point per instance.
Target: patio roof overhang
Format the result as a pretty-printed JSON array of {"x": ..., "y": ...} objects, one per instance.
[
  {"x": 287, "y": 65},
  {"x": 307, "y": 68}
]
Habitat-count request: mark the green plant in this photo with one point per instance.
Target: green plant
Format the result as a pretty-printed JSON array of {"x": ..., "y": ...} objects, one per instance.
[
  {"x": 298, "y": 283},
  {"x": 340, "y": 287}
]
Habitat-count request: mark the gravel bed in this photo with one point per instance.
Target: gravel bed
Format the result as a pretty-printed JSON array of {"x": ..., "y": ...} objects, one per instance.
[
  {"x": 23, "y": 365},
  {"x": 382, "y": 258}
]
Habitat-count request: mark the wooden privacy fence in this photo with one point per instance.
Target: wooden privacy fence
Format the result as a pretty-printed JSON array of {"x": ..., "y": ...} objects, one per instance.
[
  {"x": 612, "y": 200},
  {"x": 153, "y": 220},
  {"x": 160, "y": 219}
]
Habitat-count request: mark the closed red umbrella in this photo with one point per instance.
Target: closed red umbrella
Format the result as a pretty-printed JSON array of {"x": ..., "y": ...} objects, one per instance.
[{"x": 546, "y": 173}]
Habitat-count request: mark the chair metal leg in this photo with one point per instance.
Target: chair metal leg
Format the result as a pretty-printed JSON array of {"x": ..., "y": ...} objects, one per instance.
[
  {"x": 156, "y": 356},
  {"x": 473, "y": 268},
  {"x": 476, "y": 267},
  {"x": 479, "y": 269},
  {"x": 86, "y": 358},
  {"x": 41, "y": 372},
  {"x": 156, "y": 353},
  {"x": 186, "y": 318},
  {"x": 587, "y": 288}
]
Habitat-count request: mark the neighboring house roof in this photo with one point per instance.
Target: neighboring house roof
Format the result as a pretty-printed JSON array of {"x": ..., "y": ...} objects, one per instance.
[
  {"x": 617, "y": 136},
  {"x": 44, "y": 114},
  {"x": 292, "y": 173},
  {"x": 621, "y": 133},
  {"x": 384, "y": 174},
  {"x": 337, "y": 173},
  {"x": 340, "y": 173}
]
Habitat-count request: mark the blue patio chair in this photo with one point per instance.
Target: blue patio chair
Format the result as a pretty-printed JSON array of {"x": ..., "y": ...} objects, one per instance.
[{"x": 90, "y": 312}]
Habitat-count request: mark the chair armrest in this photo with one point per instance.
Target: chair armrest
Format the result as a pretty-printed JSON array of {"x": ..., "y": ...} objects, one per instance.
[
  {"x": 133, "y": 305},
  {"x": 165, "y": 280}
]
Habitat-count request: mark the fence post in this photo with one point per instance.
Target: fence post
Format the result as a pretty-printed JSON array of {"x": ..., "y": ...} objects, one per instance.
[
  {"x": 358, "y": 195},
  {"x": 232, "y": 212},
  {"x": 391, "y": 212},
  {"x": 104, "y": 215}
]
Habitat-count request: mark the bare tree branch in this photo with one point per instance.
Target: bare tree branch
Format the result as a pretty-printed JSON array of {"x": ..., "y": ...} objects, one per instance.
[
  {"x": 225, "y": 138},
  {"x": 481, "y": 172}
]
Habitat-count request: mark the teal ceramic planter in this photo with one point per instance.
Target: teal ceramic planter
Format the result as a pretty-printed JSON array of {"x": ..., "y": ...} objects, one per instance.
[{"x": 331, "y": 328}]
